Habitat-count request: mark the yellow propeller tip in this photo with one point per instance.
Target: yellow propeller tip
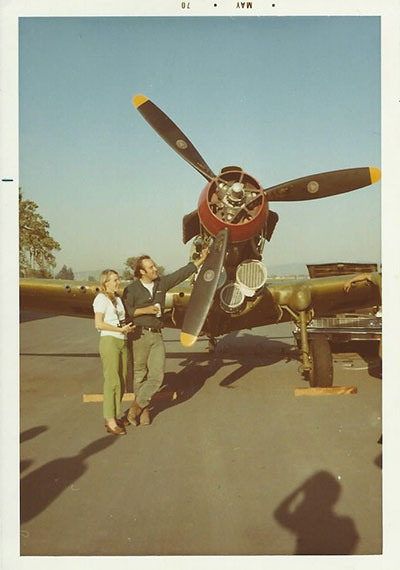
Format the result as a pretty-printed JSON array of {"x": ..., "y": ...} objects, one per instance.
[
  {"x": 188, "y": 339},
  {"x": 375, "y": 174},
  {"x": 139, "y": 100}
]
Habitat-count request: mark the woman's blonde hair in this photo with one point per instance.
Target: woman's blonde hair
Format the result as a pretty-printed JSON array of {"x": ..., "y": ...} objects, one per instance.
[{"x": 104, "y": 277}]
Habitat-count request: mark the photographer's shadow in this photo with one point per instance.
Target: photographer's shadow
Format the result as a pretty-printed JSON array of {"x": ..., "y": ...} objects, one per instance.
[
  {"x": 43, "y": 486},
  {"x": 308, "y": 513}
]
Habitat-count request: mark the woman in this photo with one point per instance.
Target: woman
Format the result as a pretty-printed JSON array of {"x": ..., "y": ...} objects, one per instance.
[{"x": 109, "y": 318}]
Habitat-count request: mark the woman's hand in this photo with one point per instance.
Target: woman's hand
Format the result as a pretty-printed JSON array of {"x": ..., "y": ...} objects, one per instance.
[{"x": 128, "y": 328}]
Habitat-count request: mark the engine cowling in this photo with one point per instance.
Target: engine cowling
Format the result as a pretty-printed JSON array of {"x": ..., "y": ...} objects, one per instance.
[{"x": 233, "y": 199}]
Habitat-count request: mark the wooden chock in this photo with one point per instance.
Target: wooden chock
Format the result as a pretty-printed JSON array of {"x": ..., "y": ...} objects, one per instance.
[
  {"x": 326, "y": 391},
  {"x": 128, "y": 397}
]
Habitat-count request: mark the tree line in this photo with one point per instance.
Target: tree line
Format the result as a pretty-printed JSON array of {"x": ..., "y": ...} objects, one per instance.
[{"x": 37, "y": 247}]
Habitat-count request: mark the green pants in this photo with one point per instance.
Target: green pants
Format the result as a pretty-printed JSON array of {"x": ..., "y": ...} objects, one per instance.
[
  {"x": 148, "y": 366},
  {"x": 113, "y": 352}
]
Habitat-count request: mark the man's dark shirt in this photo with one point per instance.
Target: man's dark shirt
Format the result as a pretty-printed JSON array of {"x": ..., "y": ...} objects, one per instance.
[{"x": 136, "y": 296}]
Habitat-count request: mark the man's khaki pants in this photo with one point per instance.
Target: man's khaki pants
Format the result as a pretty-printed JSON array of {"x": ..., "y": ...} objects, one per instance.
[{"x": 148, "y": 365}]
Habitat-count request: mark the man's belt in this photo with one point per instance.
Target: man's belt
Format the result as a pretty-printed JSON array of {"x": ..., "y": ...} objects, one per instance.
[{"x": 151, "y": 329}]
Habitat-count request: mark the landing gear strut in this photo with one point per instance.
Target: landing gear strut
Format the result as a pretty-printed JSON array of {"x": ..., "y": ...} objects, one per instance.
[{"x": 316, "y": 354}]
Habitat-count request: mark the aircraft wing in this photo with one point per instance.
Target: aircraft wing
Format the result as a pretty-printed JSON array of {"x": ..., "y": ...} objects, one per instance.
[
  {"x": 75, "y": 298},
  {"x": 279, "y": 301},
  {"x": 58, "y": 297}
]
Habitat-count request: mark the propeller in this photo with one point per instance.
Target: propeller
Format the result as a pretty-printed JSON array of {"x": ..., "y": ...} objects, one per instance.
[
  {"x": 172, "y": 135},
  {"x": 204, "y": 289},
  {"x": 323, "y": 185},
  {"x": 307, "y": 188}
]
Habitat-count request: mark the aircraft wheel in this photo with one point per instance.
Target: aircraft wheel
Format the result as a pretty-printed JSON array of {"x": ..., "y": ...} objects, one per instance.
[{"x": 321, "y": 373}]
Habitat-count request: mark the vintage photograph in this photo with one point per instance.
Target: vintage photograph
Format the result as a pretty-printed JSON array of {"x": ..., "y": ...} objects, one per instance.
[{"x": 201, "y": 364}]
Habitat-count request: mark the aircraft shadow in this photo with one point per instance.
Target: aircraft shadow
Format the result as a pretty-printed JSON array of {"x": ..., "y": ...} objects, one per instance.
[
  {"x": 308, "y": 513},
  {"x": 379, "y": 459},
  {"x": 63, "y": 354},
  {"x": 31, "y": 433},
  {"x": 248, "y": 351},
  {"x": 368, "y": 351},
  {"x": 24, "y": 464},
  {"x": 26, "y": 316},
  {"x": 41, "y": 487}
]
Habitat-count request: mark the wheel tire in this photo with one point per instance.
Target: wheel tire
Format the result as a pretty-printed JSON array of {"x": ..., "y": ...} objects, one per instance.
[{"x": 321, "y": 373}]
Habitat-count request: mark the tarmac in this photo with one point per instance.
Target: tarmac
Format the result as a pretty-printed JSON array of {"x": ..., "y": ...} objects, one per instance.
[{"x": 233, "y": 463}]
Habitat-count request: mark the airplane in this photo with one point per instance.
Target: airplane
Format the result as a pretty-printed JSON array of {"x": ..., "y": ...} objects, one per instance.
[{"x": 232, "y": 291}]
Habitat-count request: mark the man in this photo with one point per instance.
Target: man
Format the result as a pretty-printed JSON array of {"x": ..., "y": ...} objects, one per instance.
[{"x": 144, "y": 300}]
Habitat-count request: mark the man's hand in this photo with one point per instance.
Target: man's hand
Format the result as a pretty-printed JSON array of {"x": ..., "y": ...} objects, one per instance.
[
  {"x": 347, "y": 286},
  {"x": 360, "y": 277},
  {"x": 202, "y": 258}
]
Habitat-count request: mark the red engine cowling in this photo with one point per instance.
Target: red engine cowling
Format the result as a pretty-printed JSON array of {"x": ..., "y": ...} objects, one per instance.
[{"x": 235, "y": 200}]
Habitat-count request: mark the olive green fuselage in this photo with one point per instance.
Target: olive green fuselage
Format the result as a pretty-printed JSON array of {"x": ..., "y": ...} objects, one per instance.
[{"x": 278, "y": 301}]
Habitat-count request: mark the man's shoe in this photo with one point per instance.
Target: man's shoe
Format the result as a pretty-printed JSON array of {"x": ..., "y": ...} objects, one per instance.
[
  {"x": 123, "y": 422},
  {"x": 133, "y": 414},
  {"x": 145, "y": 417}
]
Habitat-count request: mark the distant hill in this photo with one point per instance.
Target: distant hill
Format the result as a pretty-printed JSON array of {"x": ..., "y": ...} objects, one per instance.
[
  {"x": 280, "y": 270},
  {"x": 287, "y": 269},
  {"x": 273, "y": 270}
]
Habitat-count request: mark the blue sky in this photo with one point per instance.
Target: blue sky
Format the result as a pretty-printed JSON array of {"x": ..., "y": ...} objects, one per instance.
[{"x": 282, "y": 97}]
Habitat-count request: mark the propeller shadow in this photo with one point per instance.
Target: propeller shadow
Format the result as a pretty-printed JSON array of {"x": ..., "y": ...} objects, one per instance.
[
  {"x": 184, "y": 384},
  {"x": 248, "y": 351},
  {"x": 251, "y": 351},
  {"x": 309, "y": 513}
]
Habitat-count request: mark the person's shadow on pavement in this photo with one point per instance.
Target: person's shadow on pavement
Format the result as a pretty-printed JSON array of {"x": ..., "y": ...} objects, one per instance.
[
  {"x": 41, "y": 487},
  {"x": 308, "y": 513}
]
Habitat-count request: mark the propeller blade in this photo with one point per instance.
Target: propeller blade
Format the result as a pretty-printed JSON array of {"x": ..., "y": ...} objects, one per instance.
[
  {"x": 204, "y": 289},
  {"x": 172, "y": 135},
  {"x": 323, "y": 185}
]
